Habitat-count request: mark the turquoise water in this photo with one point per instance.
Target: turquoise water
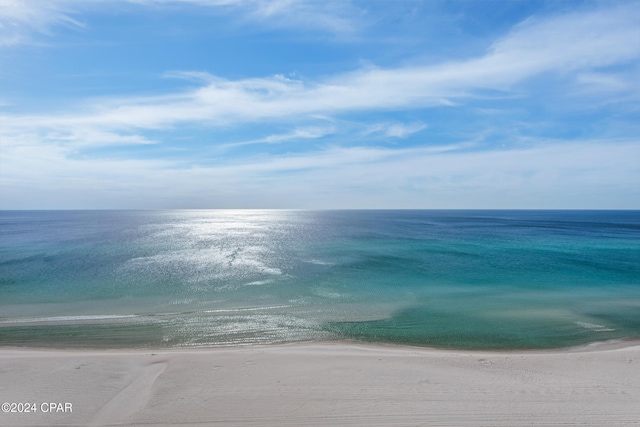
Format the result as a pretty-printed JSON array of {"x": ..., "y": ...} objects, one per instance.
[{"x": 456, "y": 279}]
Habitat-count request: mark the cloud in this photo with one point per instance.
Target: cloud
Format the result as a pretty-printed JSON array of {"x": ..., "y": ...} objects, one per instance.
[
  {"x": 41, "y": 167},
  {"x": 572, "y": 41},
  {"x": 92, "y": 138},
  {"x": 302, "y": 133},
  {"x": 581, "y": 174},
  {"x": 336, "y": 17},
  {"x": 610, "y": 83},
  {"x": 19, "y": 18},
  {"x": 395, "y": 130},
  {"x": 73, "y": 138},
  {"x": 579, "y": 43}
]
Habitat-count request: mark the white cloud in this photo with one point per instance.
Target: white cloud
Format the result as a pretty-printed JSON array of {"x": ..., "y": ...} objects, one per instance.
[
  {"x": 40, "y": 169},
  {"x": 585, "y": 174},
  {"x": 395, "y": 130},
  {"x": 19, "y": 18},
  {"x": 609, "y": 83},
  {"x": 91, "y": 137},
  {"x": 74, "y": 138},
  {"x": 194, "y": 76},
  {"x": 338, "y": 17},
  {"x": 578, "y": 43},
  {"x": 572, "y": 41},
  {"x": 302, "y": 133}
]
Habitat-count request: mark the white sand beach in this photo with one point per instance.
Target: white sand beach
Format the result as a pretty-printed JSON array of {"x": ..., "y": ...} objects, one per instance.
[{"x": 322, "y": 384}]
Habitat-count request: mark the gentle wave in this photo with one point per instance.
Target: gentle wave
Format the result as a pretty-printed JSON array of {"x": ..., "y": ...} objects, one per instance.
[
  {"x": 594, "y": 327},
  {"x": 239, "y": 310},
  {"x": 69, "y": 318},
  {"x": 465, "y": 279}
]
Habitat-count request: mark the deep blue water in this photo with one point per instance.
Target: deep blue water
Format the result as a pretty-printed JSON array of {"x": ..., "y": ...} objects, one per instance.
[{"x": 460, "y": 279}]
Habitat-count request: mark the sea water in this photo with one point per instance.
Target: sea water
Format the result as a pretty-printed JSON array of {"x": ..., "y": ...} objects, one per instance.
[{"x": 454, "y": 279}]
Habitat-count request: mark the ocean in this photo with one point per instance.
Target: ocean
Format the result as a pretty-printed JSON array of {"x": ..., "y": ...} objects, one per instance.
[{"x": 463, "y": 279}]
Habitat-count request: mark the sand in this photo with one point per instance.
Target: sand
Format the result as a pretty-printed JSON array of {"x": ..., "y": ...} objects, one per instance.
[{"x": 323, "y": 384}]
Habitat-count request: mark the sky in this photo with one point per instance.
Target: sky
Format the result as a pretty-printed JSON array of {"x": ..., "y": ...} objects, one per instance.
[{"x": 301, "y": 104}]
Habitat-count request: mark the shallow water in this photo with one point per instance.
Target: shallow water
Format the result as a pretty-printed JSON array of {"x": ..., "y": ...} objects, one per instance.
[{"x": 461, "y": 279}]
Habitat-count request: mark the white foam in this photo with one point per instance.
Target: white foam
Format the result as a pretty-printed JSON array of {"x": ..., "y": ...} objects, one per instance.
[
  {"x": 69, "y": 318},
  {"x": 258, "y": 283},
  {"x": 327, "y": 293},
  {"x": 594, "y": 327},
  {"x": 319, "y": 262},
  {"x": 235, "y": 310}
]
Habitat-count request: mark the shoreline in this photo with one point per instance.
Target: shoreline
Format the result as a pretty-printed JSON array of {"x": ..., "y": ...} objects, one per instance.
[
  {"x": 324, "y": 383},
  {"x": 589, "y": 347}
]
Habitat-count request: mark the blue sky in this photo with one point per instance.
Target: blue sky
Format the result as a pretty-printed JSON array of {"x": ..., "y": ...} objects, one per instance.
[{"x": 319, "y": 104}]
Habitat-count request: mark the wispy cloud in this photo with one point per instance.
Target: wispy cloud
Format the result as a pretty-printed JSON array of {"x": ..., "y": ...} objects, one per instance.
[
  {"x": 395, "y": 130},
  {"x": 578, "y": 175},
  {"x": 76, "y": 137},
  {"x": 336, "y": 17},
  {"x": 21, "y": 19},
  {"x": 43, "y": 155},
  {"x": 303, "y": 133},
  {"x": 577, "y": 43}
]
